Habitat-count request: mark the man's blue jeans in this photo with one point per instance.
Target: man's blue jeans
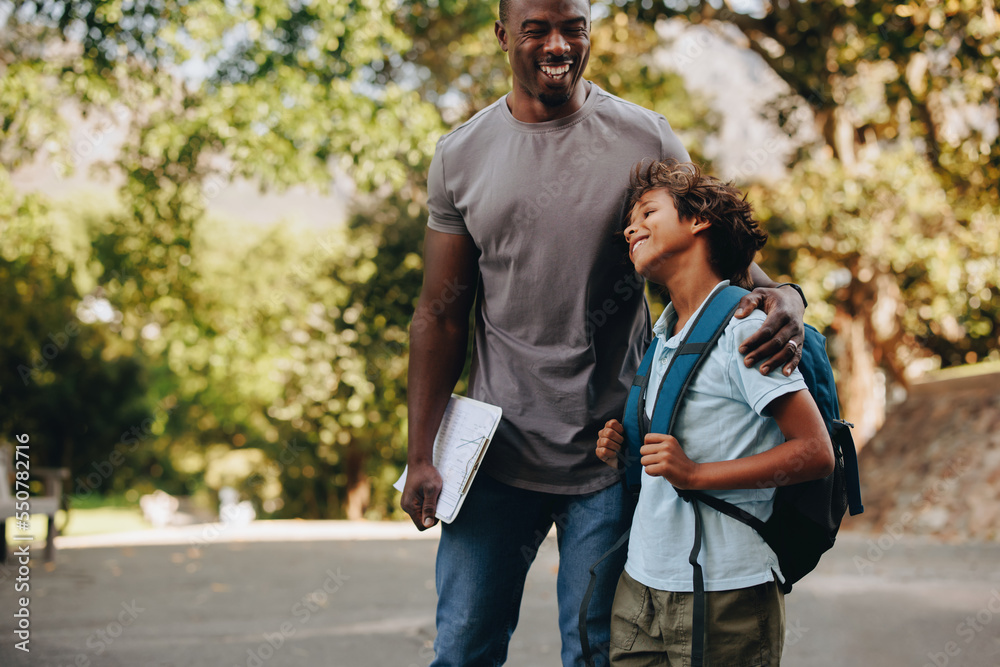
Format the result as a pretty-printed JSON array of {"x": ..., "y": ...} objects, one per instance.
[{"x": 484, "y": 556}]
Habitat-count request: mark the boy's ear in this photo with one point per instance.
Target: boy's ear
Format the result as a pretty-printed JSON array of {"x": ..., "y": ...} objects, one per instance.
[{"x": 698, "y": 225}]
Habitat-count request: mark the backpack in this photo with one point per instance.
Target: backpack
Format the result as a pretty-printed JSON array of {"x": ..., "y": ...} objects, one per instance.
[{"x": 806, "y": 516}]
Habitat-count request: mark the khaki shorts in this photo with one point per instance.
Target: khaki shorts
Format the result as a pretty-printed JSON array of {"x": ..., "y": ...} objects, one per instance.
[{"x": 745, "y": 627}]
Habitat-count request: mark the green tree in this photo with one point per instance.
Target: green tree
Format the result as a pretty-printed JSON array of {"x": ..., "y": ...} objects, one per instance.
[
  {"x": 282, "y": 93},
  {"x": 887, "y": 218},
  {"x": 277, "y": 364},
  {"x": 61, "y": 383}
]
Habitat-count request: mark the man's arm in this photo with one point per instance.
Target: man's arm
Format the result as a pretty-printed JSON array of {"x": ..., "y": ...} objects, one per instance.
[
  {"x": 784, "y": 308},
  {"x": 439, "y": 336},
  {"x": 780, "y": 338}
]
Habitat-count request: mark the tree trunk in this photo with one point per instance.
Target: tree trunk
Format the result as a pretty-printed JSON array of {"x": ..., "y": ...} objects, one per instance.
[
  {"x": 868, "y": 339},
  {"x": 861, "y": 383},
  {"x": 358, "y": 485}
]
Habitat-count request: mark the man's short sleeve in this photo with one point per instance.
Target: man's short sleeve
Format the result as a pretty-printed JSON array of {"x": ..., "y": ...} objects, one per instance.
[
  {"x": 670, "y": 145},
  {"x": 444, "y": 217}
]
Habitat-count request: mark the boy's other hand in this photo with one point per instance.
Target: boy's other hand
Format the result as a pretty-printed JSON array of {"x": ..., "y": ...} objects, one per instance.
[
  {"x": 779, "y": 339},
  {"x": 609, "y": 442},
  {"x": 662, "y": 456}
]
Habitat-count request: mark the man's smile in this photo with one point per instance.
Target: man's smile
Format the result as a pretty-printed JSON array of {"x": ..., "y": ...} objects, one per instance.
[{"x": 555, "y": 70}]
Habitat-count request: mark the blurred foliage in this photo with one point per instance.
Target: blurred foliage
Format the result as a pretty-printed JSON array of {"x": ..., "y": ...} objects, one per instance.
[
  {"x": 59, "y": 382},
  {"x": 270, "y": 360},
  {"x": 890, "y": 219},
  {"x": 148, "y": 345},
  {"x": 871, "y": 70},
  {"x": 461, "y": 67}
]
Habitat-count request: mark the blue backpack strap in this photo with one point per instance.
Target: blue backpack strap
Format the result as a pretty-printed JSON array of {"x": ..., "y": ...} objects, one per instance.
[
  {"x": 588, "y": 654},
  {"x": 692, "y": 352},
  {"x": 852, "y": 476},
  {"x": 818, "y": 374},
  {"x": 634, "y": 422},
  {"x": 816, "y": 371},
  {"x": 702, "y": 336}
]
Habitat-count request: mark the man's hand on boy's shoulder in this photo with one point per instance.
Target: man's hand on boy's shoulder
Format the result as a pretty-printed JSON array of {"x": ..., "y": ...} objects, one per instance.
[
  {"x": 609, "y": 442},
  {"x": 779, "y": 339},
  {"x": 663, "y": 456}
]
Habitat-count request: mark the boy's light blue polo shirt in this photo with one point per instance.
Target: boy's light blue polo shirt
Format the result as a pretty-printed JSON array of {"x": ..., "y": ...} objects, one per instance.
[{"x": 723, "y": 417}]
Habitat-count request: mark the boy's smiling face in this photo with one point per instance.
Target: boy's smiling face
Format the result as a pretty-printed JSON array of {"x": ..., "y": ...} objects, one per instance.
[{"x": 656, "y": 233}]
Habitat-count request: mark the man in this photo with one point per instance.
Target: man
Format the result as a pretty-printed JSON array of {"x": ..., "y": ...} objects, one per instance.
[{"x": 525, "y": 203}]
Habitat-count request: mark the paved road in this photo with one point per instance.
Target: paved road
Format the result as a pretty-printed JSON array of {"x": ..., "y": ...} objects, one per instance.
[{"x": 326, "y": 600}]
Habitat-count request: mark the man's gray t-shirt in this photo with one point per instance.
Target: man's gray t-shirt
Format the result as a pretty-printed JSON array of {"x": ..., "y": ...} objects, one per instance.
[{"x": 561, "y": 317}]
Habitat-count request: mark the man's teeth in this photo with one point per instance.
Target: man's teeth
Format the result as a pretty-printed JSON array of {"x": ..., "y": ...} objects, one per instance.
[
  {"x": 638, "y": 243},
  {"x": 555, "y": 70}
]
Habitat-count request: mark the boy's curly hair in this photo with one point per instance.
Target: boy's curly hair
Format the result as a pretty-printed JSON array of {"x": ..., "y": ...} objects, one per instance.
[{"x": 734, "y": 235}]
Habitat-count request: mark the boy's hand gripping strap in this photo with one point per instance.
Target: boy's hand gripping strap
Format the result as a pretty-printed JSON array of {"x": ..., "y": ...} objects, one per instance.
[{"x": 701, "y": 337}]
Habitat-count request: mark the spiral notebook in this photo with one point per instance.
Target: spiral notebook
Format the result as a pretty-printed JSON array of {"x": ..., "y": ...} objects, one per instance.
[{"x": 467, "y": 429}]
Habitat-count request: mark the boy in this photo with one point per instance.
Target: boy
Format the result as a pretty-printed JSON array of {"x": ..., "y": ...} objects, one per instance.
[{"x": 738, "y": 435}]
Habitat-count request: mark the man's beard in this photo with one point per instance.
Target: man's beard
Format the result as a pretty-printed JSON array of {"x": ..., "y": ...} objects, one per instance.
[{"x": 555, "y": 99}]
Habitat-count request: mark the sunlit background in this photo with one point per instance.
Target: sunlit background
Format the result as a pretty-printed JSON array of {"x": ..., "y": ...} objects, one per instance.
[{"x": 211, "y": 215}]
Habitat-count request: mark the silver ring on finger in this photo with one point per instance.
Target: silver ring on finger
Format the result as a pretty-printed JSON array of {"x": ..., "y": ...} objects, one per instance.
[{"x": 792, "y": 344}]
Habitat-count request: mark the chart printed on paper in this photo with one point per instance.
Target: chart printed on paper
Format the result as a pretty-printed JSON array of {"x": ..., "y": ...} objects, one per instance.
[{"x": 466, "y": 430}]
